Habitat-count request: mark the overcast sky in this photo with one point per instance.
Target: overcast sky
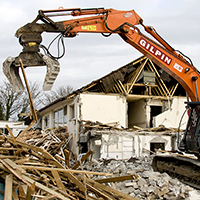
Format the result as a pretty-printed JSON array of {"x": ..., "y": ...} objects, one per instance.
[{"x": 91, "y": 56}]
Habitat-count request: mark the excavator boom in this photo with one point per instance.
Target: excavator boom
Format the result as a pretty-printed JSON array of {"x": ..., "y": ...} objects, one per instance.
[{"x": 30, "y": 38}]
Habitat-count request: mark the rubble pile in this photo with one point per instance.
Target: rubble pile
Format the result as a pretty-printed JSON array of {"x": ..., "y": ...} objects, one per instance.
[
  {"x": 28, "y": 171},
  {"x": 148, "y": 184},
  {"x": 40, "y": 165},
  {"x": 54, "y": 141}
]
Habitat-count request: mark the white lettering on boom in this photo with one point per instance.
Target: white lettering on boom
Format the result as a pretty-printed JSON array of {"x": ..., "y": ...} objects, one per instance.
[{"x": 155, "y": 51}]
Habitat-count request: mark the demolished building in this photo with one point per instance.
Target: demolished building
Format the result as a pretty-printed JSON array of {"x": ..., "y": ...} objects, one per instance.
[{"x": 137, "y": 95}]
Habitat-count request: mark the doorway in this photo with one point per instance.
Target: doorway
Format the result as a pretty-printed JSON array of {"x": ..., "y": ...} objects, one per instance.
[{"x": 155, "y": 110}]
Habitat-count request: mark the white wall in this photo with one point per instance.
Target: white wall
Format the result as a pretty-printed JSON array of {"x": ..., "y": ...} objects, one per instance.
[
  {"x": 171, "y": 117},
  {"x": 127, "y": 145},
  {"x": 104, "y": 108},
  {"x": 15, "y": 127}
]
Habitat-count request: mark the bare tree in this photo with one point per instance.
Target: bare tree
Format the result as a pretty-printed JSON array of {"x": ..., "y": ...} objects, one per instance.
[
  {"x": 59, "y": 92},
  {"x": 9, "y": 100},
  {"x": 36, "y": 95},
  {"x": 12, "y": 103}
]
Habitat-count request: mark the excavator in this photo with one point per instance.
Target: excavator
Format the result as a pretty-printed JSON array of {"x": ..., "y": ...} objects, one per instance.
[{"x": 127, "y": 24}]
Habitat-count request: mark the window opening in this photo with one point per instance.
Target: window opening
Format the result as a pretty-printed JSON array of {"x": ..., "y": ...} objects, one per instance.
[{"x": 155, "y": 146}]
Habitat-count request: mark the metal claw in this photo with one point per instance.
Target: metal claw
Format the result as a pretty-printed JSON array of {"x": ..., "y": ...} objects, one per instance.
[
  {"x": 53, "y": 69},
  {"x": 12, "y": 74},
  {"x": 11, "y": 71}
]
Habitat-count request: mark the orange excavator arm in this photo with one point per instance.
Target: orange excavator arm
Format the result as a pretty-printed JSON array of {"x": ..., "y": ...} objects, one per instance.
[{"x": 106, "y": 22}]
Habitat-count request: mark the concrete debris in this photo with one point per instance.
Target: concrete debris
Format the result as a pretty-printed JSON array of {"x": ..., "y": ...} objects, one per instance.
[
  {"x": 31, "y": 172},
  {"x": 41, "y": 165},
  {"x": 148, "y": 185}
]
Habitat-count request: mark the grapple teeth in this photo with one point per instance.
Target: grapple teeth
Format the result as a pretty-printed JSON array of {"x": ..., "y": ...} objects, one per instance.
[
  {"x": 11, "y": 70},
  {"x": 53, "y": 69},
  {"x": 12, "y": 74}
]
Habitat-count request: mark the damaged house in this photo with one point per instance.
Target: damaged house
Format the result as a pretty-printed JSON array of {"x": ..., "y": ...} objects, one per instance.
[{"x": 138, "y": 95}]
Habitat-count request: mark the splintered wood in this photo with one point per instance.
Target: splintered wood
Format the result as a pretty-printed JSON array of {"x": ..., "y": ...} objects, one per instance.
[{"x": 37, "y": 166}]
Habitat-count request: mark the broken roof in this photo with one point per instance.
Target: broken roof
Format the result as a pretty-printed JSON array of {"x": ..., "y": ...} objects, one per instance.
[{"x": 139, "y": 77}]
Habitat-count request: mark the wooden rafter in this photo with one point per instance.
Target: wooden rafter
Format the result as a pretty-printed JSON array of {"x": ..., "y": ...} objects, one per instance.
[
  {"x": 122, "y": 86},
  {"x": 160, "y": 79},
  {"x": 135, "y": 74},
  {"x": 174, "y": 89},
  {"x": 162, "y": 87}
]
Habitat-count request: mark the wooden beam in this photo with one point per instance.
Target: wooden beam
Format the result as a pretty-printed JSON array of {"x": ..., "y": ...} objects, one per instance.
[
  {"x": 100, "y": 193},
  {"x": 83, "y": 159},
  {"x": 78, "y": 183},
  {"x": 8, "y": 187},
  {"x": 58, "y": 180},
  {"x": 174, "y": 89},
  {"x": 123, "y": 88},
  {"x": 158, "y": 75},
  {"x": 44, "y": 188},
  {"x": 110, "y": 190},
  {"x": 10, "y": 132},
  {"x": 43, "y": 153},
  {"x": 136, "y": 74},
  {"x": 67, "y": 156},
  {"x": 14, "y": 194},
  {"x": 32, "y": 108},
  {"x": 14, "y": 172},
  {"x": 117, "y": 179},
  {"x": 30, "y": 192},
  {"x": 65, "y": 170}
]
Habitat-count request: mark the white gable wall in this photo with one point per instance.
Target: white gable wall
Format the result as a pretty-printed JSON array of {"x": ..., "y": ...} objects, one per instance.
[
  {"x": 104, "y": 108},
  {"x": 172, "y": 117}
]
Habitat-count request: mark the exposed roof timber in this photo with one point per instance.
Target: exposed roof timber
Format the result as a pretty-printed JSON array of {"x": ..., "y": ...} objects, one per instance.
[
  {"x": 126, "y": 80},
  {"x": 174, "y": 89},
  {"x": 159, "y": 78},
  {"x": 133, "y": 97},
  {"x": 136, "y": 74}
]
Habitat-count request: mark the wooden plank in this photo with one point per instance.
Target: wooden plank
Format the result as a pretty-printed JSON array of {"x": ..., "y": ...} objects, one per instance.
[
  {"x": 68, "y": 195},
  {"x": 117, "y": 179},
  {"x": 10, "y": 132},
  {"x": 83, "y": 159},
  {"x": 65, "y": 170},
  {"x": 44, "y": 188},
  {"x": 14, "y": 172},
  {"x": 32, "y": 108},
  {"x": 44, "y": 153},
  {"x": 160, "y": 79},
  {"x": 8, "y": 187},
  {"x": 49, "y": 197},
  {"x": 30, "y": 192},
  {"x": 14, "y": 195},
  {"x": 14, "y": 166},
  {"x": 136, "y": 74},
  {"x": 58, "y": 180},
  {"x": 76, "y": 181},
  {"x": 21, "y": 192},
  {"x": 67, "y": 156},
  {"x": 25, "y": 130},
  {"x": 172, "y": 93},
  {"x": 122, "y": 86},
  {"x": 109, "y": 189},
  {"x": 100, "y": 193}
]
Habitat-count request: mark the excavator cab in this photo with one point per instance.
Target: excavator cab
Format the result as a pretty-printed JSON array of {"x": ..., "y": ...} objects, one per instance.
[{"x": 191, "y": 139}]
